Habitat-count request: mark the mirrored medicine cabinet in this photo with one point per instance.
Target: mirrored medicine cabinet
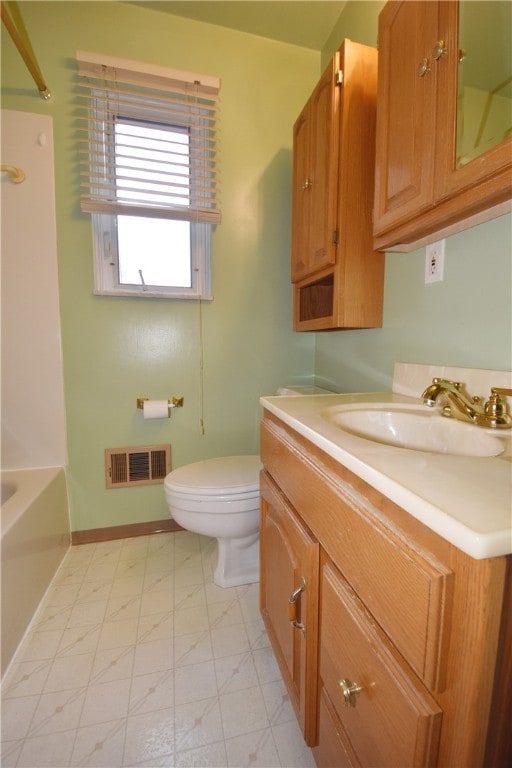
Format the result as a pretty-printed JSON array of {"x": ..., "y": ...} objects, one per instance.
[
  {"x": 444, "y": 119},
  {"x": 484, "y": 86}
]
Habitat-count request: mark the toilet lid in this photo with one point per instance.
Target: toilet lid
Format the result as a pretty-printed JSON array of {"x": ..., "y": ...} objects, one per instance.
[{"x": 217, "y": 477}]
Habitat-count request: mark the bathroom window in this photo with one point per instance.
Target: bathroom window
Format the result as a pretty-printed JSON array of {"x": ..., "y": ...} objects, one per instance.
[{"x": 150, "y": 177}]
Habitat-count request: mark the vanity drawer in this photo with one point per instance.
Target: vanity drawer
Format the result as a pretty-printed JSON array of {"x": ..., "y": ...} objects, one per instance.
[{"x": 393, "y": 720}]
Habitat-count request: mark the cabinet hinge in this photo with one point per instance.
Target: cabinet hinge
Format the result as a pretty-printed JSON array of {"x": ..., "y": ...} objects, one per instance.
[
  {"x": 339, "y": 77},
  {"x": 336, "y": 236}
]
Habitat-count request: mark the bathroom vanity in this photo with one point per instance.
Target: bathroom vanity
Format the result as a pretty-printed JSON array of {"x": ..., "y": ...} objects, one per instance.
[{"x": 384, "y": 598}]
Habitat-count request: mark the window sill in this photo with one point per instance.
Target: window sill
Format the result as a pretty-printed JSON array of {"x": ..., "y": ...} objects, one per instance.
[{"x": 149, "y": 294}]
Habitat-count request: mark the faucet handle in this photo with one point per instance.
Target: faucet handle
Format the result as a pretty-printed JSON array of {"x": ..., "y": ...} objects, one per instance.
[{"x": 496, "y": 406}]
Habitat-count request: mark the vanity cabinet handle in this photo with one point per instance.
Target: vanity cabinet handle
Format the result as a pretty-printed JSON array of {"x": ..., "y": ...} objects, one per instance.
[
  {"x": 439, "y": 50},
  {"x": 349, "y": 691},
  {"x": 292, "y": 605},
  {"x": 423, "y": 67},
  {"x": 307, "y": 185}
]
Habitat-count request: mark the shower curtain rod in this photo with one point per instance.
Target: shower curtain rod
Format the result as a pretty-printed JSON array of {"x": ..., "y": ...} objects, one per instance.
[{"x": 21, "y": 41}]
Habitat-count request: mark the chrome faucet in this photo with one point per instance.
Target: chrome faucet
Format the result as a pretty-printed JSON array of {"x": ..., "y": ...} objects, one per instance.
[{"x": 492, "y": 414}]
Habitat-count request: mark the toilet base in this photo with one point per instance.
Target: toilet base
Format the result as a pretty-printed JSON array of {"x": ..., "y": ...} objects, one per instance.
[{"x": 238, "y": 561}]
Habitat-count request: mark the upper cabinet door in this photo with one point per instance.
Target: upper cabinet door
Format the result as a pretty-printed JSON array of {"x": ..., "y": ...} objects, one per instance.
[
  {"x": 474, "y": 97},
  {"x": 301, "y": 201},
  {"x": 315, "y": 165},
  {"x": 406, "y": 107}
]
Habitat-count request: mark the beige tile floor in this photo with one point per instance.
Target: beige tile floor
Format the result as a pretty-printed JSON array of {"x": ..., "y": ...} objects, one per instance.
[{"x": 136, "y": 658}]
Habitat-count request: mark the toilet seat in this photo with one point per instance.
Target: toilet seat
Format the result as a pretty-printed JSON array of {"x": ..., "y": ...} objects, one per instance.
[{"x": 225, "y": 479}]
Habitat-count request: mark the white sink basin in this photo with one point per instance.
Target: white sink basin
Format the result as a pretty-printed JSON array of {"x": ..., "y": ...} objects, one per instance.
[{"x": 414, "y": 427}]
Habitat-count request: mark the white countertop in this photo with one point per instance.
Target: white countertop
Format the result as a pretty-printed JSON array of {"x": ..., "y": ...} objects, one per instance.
[{"x": 466, "y": 500}]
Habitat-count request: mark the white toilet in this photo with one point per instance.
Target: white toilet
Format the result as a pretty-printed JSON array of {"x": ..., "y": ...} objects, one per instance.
[{"x": 220, "y": 498}]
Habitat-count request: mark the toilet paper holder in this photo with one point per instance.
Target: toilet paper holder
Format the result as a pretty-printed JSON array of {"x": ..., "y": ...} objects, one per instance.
[{"x": 173, "y": 402}]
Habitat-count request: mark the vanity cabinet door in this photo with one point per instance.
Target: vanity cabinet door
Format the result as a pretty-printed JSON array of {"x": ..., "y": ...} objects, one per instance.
[
  {"x": 374, "y": 706},
  {"x": 289, "y": 600},
  {"x": 406, "y": 112},
  {"x": 315, "y": 187}
]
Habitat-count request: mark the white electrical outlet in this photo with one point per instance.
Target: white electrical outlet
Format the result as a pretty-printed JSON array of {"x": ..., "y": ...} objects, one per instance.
[{"x": 434, "y": 262}]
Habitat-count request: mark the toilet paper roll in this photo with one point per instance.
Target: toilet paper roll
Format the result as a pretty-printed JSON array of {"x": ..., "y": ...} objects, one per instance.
[{"x": 156, "y": 409}]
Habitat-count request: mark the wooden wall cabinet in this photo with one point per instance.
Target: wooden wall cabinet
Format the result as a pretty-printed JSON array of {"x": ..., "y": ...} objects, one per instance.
[
  {"x": 420, "y": 192},
  {"x": 405, "y": 659},
  {"x": 337, "y": 276}
]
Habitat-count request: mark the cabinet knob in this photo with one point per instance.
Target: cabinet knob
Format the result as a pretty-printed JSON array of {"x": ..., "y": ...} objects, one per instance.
[
  {"x": 423, "y": 68},
  {"x": 439, "y": 50},
  {"x": 307, "y": 185},
  {"x": 349, "y": 691},
  {"x": 292, "y": 605}
]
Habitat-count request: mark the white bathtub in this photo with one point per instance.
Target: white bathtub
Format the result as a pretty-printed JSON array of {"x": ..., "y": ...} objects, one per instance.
[{"x": 35, "y": 535}]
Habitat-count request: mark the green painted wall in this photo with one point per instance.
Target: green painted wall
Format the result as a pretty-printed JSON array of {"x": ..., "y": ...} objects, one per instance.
[
  {"x": 358, "y": 22},
  {"x": 117, "y": 349},
  {"x": 464, "y": 321}
]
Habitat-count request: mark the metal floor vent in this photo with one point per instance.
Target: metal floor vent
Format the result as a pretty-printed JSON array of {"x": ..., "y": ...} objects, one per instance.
[{"x": 142, "y": 465}]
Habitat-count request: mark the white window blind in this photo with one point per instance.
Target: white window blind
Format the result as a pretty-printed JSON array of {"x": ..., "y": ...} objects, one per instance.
[{"x": 149, "y": 140}]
